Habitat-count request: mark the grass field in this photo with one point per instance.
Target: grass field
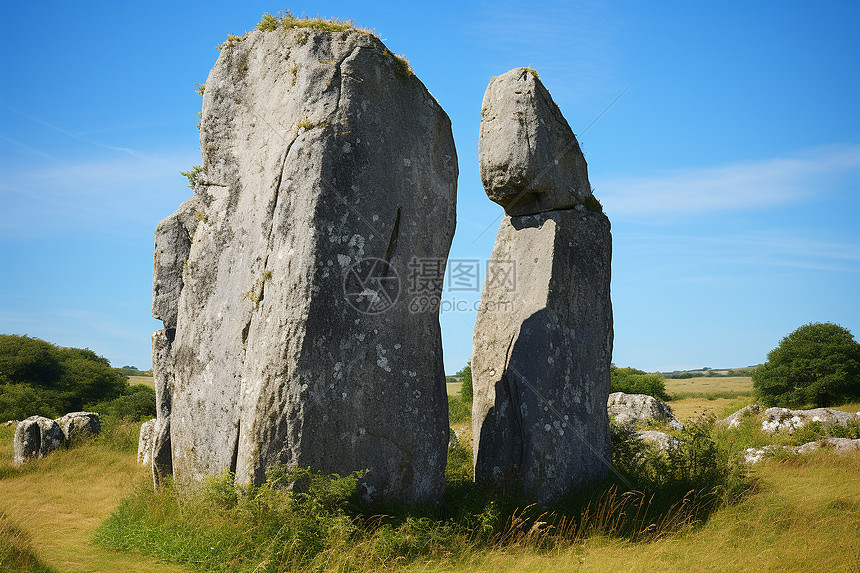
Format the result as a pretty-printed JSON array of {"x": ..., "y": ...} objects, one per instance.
[
  {"x": 714, "y": 395},
  {"x": 145, "y": 380},
  {"x": 741, "y": 384},
  {"x": 454, "y": 388},
  {"x": 802, "y": 515},
  {"x": 58, "y": 503}
]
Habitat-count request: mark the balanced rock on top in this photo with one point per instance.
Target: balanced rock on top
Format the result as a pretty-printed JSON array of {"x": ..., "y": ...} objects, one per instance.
[{"x": 528, "y": 156}]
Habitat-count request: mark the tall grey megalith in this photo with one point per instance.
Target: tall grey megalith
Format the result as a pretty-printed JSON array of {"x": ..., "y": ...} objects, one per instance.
[
  {"x": 329, "y": 174},
  {"x": 543, "y": 342}
]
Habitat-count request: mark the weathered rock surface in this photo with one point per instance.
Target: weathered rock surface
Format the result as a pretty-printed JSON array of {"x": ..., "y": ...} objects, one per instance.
[
  {"x": 528, "y": 156},
  {"x": 80, "y": 425},
  {"x": 541, "y": 354},
  {"x": 145, "y": 442},
  {"x": 9, "y": 423},
  {"x": 640, "y": 409},
  {"x": 36, "y": 437},
  {"x": 839, "y": 445},
  {"x": 662, "y": 440},
  {"x": 319, "y": 151},
  {"x": 172, "y": 246},
  {"x": 776, "y": 419},
  {"x": 735, "y": 419},
  {"x": 161, "y": 452}
]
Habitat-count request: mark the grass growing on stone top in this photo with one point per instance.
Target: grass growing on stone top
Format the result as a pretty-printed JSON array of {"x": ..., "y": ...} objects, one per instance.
[{"x": 287, "y": 20}]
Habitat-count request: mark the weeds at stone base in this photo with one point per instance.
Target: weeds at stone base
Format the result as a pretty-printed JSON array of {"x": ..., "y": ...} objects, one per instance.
[{"x": 322, "y": 523}]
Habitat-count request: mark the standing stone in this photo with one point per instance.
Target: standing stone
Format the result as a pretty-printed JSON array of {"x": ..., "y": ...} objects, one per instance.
[
  {"x": 35, "y": 438},
  {"x": 80, "y": 425},
  {"x": 329, "y": 177},
  {"x": 144, "y": 443},
  {"x": 543, "y": 336},
  {"x": 161, "y": 452}
]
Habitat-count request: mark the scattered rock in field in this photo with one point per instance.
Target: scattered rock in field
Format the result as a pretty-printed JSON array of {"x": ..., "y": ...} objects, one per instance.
[
  {"x": 306, "y": 273},
  {"x": 80, "y": 425},
  {"x": 529, "y": 159},
  {"x": 36, "y": 437},
  {"x": 145, "y": 442},
  {"x": 755, "y": 455},
  {"x": 735, "y": 419},
  {"x": 839, "y": 445},
  {"x": 776, "y": 419},
  {"x": 640, "y": 409},
  {"x": 662, "y": 440},
  {"x": 543, "y": 336}
]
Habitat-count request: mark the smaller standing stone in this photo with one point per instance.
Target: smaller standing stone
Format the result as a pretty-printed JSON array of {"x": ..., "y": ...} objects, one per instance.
[
  {"x": 80, "y": 425},
  {"x": 36, "y": 437},
  {"x": 145, "y": 442}
]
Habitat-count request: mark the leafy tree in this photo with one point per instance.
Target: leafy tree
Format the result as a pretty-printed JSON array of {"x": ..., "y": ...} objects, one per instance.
[
  {"x": 37, "y": 377},
  {"x": 816, "y": 365},
  {"x": 137, "y": 403},
  {"x": 465, "y": 376},
  {"x": 634, "y": 381}
]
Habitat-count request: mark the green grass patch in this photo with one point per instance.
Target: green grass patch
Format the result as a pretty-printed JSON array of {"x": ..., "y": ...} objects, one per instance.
[
  {"x": 459, "y": 410},
  {"x": 321, "y": 523}
]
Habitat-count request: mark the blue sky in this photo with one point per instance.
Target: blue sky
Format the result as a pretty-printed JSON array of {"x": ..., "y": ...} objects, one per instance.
[{"x": 730, "y": 168}]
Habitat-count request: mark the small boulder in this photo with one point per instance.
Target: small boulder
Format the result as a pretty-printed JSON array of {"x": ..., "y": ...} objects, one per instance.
[
  {"x": 662, "y": 440},
  {"x": 640, "y": 408},
  {"x": 36, "y": 437},
  {"x": 735, "y": 419},
  {"x": 8, "y": 423},
  {"x": 80, "y": 424},
  {"x": 146, "y": 442}
]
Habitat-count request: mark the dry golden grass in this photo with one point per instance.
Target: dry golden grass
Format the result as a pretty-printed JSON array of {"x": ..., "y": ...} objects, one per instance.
[
  {"x": 804, "y": 516},
  {"x": 688, "y": 408},
  {"x": 454, "y": 388},
  {"x": 144, "y": 380},
  {"x": 710, "y": 384},
  {"x": 61, "y": 500}
]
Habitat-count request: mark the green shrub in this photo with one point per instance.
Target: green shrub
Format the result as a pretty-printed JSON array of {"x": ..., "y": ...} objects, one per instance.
[
  {"x": 458, "y": 409},
  {"x": 37, "y": 377},
  {"x": 465, "y": 378},
  {"x": 135, "y": 405},
  {"x": 816, "y": 365},
  {"x": 633, "y": 381}
]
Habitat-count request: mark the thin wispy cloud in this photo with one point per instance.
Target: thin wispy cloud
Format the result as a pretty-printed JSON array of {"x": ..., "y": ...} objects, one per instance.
[
  {"x": 740, "y": 186},
  {"x": 109, "y": 192},
  {"x": 71, "y": 135},
  {"x": 736, "y": 254}
]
